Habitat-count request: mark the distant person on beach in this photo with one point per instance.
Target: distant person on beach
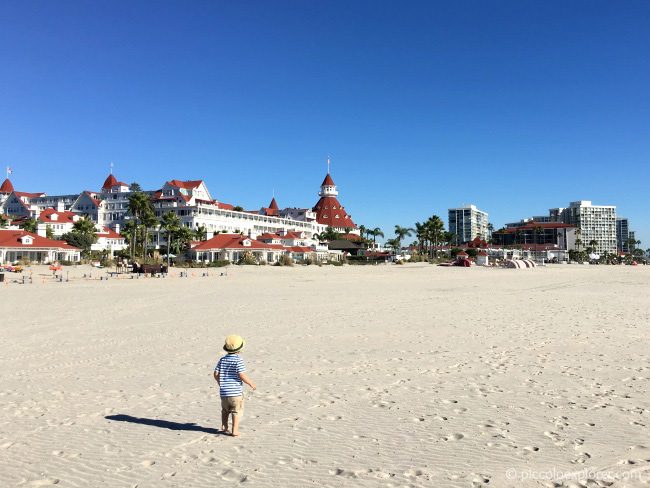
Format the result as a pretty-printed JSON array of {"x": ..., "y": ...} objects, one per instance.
[{"x": 230, "y": 373}]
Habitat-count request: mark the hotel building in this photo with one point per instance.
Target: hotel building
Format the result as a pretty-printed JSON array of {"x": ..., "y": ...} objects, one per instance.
[
  {"x": 592, "y": 222},
  {"x": 190, "y": 200}
]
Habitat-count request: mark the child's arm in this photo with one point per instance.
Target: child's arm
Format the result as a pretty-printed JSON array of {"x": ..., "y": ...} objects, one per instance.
[
  {"x": 244, "y": 377},
  {"x": 216, "y": 377}
]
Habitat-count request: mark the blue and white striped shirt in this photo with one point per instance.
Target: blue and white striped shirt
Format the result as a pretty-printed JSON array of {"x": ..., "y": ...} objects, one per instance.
[{"x": 228, "y": 368}]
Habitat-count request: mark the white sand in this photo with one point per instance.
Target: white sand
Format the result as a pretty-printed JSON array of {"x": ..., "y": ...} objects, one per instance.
[{"x": 387, "y": 376}]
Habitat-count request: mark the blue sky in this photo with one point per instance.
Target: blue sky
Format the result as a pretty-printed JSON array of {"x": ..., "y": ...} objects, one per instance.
[{"x": 513, "y": 106}]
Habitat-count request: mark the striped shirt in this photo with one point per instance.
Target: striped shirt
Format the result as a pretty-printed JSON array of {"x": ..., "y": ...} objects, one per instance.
[{"x": 228, "y": 368}]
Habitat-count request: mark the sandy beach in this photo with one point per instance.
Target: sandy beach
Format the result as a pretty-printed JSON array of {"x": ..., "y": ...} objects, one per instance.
[{"x": 390, "y": 376}]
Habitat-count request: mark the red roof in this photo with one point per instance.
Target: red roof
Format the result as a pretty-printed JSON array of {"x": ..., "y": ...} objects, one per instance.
[
  {"x": 268, "y": 236},
  {"x": 330, "y": 212},
  {"x": 233, "y": 241},
  {"x": 12, "y": 239},
  {"x": 109, "y": 233},
  {"x": 62, "y": 217},
  {"x": 328, "y": 181},
  {"x": 478, "y": 242},
  {"x": 300, "y": 249},
  {"x": 225, "y": 206},
  {"x": 273, "y": 205},
  {"x": 95, "y": 200},
  {"x": 186, "y": 184},
  {"x": 291, "y": 235},
  {"x": 7, "y": 186},
  {"x": 111, "y": 181},
  {"x": 29, "y": 195},
  {"x": 351, "y": 237}
]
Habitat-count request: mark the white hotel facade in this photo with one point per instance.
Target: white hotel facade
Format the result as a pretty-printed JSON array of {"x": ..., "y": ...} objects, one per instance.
[{"x": 192, "y": 202}]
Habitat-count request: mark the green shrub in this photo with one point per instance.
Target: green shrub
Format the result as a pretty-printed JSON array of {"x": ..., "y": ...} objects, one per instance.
[
  {"x": 220, "y": 263},
  {"x": 247, "y": 259},
  {"x": 285, "y": 260}
]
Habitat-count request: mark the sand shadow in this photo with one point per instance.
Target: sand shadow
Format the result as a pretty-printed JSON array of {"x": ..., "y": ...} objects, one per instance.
[{"x": 163, "y": 424}]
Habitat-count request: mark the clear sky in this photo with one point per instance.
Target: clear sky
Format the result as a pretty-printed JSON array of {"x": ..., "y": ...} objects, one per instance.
[{"x": 514, "y": 106}]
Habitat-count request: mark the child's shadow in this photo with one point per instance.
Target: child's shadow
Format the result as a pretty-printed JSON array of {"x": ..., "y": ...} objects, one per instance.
[{"x": 163, "y": 424}]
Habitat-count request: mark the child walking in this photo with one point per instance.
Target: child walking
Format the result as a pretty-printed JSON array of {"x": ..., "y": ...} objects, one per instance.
[{"x": 230, "y": 372}]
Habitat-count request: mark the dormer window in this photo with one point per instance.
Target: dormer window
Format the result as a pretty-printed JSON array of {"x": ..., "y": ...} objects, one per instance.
[
  {"x": 54, "y": 217},
  {"x": 324, "y": 216},
  {"x": 246, "y": 243},
  {"x": 27, "y": 240}
]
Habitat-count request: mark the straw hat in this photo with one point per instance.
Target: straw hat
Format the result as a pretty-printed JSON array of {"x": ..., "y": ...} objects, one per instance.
[{"x": 234, "y": 343}]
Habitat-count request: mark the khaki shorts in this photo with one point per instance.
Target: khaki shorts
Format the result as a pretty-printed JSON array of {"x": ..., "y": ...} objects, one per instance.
[{"x": 233, "y": 405}]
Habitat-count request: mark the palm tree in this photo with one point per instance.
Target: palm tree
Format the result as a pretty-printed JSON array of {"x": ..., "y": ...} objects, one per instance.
[
  {"x": 130, "y": 231},
  {"x": 394, "y": 244},
  {"x": 141, "y": 209},
  {"x": 376, "y": 232},
  {"x": 3, "y": 221},
  {"x": 29, "y": 225},
  {"x": 183, "y": 237},
  {"x": 149, "y": 221},
  {"x": 329, "y": 234},
  {"x": 84, "y": 226},
  {"x": 201, "y": 233},
  {"x": 362, "y": 230},
  {"x": 435, "y": 228},
  {"x": 421, "y": 234},
  {"x": 578, "y": 243},
  {"x": 401, "y": 233},
  {"x": 170, "y": 223}
]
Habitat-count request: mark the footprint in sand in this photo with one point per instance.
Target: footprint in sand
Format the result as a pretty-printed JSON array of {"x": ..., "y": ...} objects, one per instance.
[
  {"x": 454, "y": 437},
  {"x": 232, "y": 475},
  {"x": 530, "y": 449},
  {"x": 45, "y": 482}
]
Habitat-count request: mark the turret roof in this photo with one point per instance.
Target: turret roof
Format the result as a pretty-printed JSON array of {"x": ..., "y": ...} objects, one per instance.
[
  {"x": 328, "y": 181},
  {"x": 111, "y": 181},
  {"x": 7, "y": 186}
]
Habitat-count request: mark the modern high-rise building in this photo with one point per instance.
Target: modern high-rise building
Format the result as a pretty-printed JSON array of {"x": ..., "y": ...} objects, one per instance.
[
  {"x": 622, "y": 234},
  {"x": 467, "y": 223},
  {"x": 595, "y": 223}
]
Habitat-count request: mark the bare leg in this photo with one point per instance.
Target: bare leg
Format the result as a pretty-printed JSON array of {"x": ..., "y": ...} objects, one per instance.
[
  {"x": 224, "y": 420},
  {"x": 235, "y": 425}
]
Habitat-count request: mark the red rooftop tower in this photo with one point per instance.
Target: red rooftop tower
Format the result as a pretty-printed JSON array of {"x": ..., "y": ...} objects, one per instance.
[
  {"x": 328, "y": 209},
  {"x": 6, "y": 186}
]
